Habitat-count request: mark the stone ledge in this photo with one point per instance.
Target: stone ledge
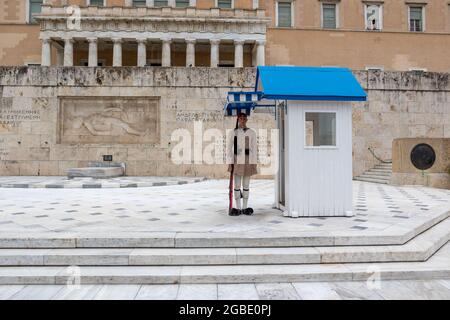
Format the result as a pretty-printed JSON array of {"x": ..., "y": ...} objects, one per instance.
[{"x": 96, "y": 172}]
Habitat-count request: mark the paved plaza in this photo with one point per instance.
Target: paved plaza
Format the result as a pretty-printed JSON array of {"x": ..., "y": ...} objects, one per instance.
[
  {"x": 358, "y": 290},
  {"x": 178, "y": 242},
  {"x": 203, "y": 208}
]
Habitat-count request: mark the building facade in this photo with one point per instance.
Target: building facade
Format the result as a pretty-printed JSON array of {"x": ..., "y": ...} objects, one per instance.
[
  {"x": 70, "y": 112},
  {"x": 367, "y": 34}
]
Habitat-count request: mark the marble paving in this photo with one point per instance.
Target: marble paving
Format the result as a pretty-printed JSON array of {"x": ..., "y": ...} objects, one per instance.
[
  {"x": 59, "y": 182},
  {"x": 203, "y": 207},
  {"x": 359, "y": 290}
]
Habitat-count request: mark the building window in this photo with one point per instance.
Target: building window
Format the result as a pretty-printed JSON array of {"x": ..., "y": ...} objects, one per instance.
[
  {"x": 416, "y": 19},
  {"x": 140, "y": 3},
  {"x": 225, "y": 4},
  {"x": 374, "y": 17},
  {"x": 98, "y": 3},
  {"x": 181, "y": 3},
  {"x": 320, "y": 129},
  {"x": 329, "y": 15},
  {"x": 284, "y": 14},
  {"x": 160, "y": 3},
  {"x": 35, "y": 7}
]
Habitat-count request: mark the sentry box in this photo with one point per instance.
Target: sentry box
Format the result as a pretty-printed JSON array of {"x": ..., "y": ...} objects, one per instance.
[{"x": 314, "y": 115}]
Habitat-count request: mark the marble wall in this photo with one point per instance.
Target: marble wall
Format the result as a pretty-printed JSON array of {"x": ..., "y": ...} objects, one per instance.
[{"x": 134, "y": 111}]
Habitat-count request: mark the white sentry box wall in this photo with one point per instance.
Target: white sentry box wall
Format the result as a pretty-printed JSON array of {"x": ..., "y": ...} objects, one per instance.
[{"x": 318, "y": 180}]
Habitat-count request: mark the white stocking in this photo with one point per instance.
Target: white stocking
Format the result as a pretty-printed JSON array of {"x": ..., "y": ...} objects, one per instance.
[
  {"x": 237, "y": 190},
  {"x": 245, "y": 190}
]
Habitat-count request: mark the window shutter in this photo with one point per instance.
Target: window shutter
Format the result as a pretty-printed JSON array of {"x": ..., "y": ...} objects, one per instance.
[
  {"x": 160, "y": 3},
  {"x": 97, "y": 3},
  {"x": 224, "y": 4},
  {"x": 139, "y": 3},
  {"x": 35, "y": 7},
  {"x": 329, "y": 16},
  {"x": 284, "y": 14},
  {"x": 182, "y": 3}
]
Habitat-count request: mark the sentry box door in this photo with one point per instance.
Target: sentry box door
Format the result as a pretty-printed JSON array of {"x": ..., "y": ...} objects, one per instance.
[{"x": 318, "y": 159}]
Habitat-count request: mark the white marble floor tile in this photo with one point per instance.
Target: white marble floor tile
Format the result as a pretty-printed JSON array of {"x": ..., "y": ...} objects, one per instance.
[
  {"x": 37, "y": 292},
  {"x": 117, "y": 292},
  {"x": 83, "y": 292},
  {"x": 6, "y": 291},
  {"x": 158, "y": 292},
  {"x": 316, "y": 291},
  {"x": 237, "y": 292},
  {"x": 197, "y": 292},
  {"x": 413, "y": 290},
  {"x": 277, "y": 291},
  {"x": 355, "y": 291}
]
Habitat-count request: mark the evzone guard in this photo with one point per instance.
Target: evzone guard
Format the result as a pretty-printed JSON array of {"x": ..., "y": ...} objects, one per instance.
[{"x": 241, "y": 159}]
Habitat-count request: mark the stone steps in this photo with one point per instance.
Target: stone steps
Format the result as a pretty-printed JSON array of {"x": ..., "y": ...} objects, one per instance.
[
  {"x": 373, "y": 180},
  {"x": 381, "y": 173},
  {"x": 415, "y": 259},
  {"x": 394, "y": 235},
  {"x": 418, "y": 249},
  {"x": 438, "y": 267}
]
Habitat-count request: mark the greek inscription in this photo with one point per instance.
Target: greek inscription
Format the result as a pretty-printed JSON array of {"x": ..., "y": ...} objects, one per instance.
[
  {"x": 13, "y": 117},
  {"x": 203, "y": 116},
  {"x": 3, "y": 152}
]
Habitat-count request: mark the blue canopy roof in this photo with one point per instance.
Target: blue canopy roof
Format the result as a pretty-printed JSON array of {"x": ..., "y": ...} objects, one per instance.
[{"x": 308, "y": 83}]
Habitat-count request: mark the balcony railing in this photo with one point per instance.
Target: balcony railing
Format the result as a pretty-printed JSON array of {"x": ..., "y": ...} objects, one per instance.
[{"x": 144, "y": 12}]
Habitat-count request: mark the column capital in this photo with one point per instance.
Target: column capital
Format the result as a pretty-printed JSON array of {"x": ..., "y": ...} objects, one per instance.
[
  {"x": 166, "y": 39},
  {"x": 261, "y": 42},
  {"x": 239, "y": 42},
  {"x": 68, "y": 40},
  {"x": 190, "y": 40},
  {"x": 141, "y": 40},
  {"x": 116, "y": 40},
  {"x": 92, "y": 39},
  {"x": 214, "y": 41},
  {"x": 45, "y": 39}
]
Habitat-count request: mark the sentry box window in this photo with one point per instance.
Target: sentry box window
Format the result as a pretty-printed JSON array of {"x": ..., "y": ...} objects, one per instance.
[{"x": 320, "y": 129}]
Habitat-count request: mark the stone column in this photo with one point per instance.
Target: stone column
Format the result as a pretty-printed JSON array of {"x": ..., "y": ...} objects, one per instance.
[
  {"x": 117, "y": 52},
  {"x": 68, "y": 52},
  {"x": 128, "y": 3},
  {"x": 60, "y": 56},
  {"x": 190, "y": 52},
  {"x": 46, "y": 59},
  {"x": 142, "y": 52},
  {"x": 93, "y": 54},
  {"x": 165, "y": 59},
  {"x": 239, "y": 53},
  {"x": 260, "y": 52},
  {"x": 150, "y": 3},
  {"x": 214, "y": 53},
  {"x": 171, "y": 3}
]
